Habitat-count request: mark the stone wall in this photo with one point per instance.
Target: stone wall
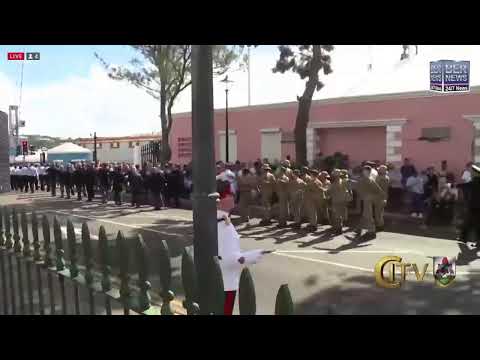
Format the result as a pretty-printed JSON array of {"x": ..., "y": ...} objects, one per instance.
[{"x": 4, "y": 154}]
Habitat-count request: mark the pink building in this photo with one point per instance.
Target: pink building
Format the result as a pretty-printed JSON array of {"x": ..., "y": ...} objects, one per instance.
[{"x": 425, "y": 126}]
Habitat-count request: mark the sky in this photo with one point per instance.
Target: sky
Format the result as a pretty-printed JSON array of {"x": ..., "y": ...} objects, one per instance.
[{"x": 67, "y": 93}]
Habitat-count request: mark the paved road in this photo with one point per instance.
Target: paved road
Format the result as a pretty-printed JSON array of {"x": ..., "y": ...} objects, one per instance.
[{"x": 325, "y": 274}]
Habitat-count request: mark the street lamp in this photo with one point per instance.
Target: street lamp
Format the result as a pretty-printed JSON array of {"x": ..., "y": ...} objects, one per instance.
[{"x": 227, "y": 86}]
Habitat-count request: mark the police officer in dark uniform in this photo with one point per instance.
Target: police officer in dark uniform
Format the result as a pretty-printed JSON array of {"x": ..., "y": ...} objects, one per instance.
[
  {"x": 77, "y": 178},
  {"x": 472, "y": 211},
  {"x": 90, "y": 177},
  {"x": 118, "y": 180},
  {"x": 52, "y": 174}
]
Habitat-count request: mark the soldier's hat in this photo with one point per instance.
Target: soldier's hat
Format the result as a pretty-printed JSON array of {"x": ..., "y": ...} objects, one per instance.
[
  {"x": 305, "y": 168},
  {"x": 313, "y": 172},
  {"x": 266, "y": 167},
  {"x": 336, "y": 172},
  {"x": 283, "y": 168},
  {"x": 296, "y": 172},
  {"x": 367, "y": 167},
  {"x": 370, "y": 163}
]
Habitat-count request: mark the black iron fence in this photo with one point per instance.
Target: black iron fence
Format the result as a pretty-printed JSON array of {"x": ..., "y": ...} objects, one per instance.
[
  {"x": 36, "y": 273},
  {"x": 150, "y": 153}
]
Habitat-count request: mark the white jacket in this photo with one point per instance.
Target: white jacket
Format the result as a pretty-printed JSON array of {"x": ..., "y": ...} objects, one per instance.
[{"x": 229, "y": 252}]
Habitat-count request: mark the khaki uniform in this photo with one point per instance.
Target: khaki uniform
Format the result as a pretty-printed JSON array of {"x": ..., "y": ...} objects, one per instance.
[
  {"x": 290, "y": 190},
  {"x": 297, "y": 191},
  {"x": 369, "y": 191},
  {"x": 381, "y": 201},
  {"x": 267, "y": 187},
  {"x": 246, "y": 185},
  {"x": 315, "y": 201},
  {"x": 339, "y": 197},
  {"x": 282, "y": 187}
]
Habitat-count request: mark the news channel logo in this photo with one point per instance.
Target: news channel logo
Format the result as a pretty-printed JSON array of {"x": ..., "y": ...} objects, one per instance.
[{"x": 450, "y": 76}]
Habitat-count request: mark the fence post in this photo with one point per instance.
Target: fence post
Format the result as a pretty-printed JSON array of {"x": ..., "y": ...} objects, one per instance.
[
  {"x": 72, "y": 247},
  {"x": 17, "y": 248},
  {"x": 60, "y": 261},
  {"x": 104, "y": 256},
  {"x": 87, "y": 253},
  {"x": 2, "y": 264},
  {"x": 217, "y": 293},
  {"x": 27, "y": 253},
  {"x": 143, "y": 283},
  {"x": 246, "y": 294},
  {"x": 284, "y": 302},
  {"x": 165, "y": 278},
  {"x": 124, "y": 275},
  {"x": 9, "y": 247},
  {"x": 37, "y": 258},
  {"x": 48, "y": 261},
  {"x": 189, "y": 283}
]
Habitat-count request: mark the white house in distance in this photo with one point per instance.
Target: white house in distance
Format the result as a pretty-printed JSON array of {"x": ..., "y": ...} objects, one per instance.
[{"x": 119, "y": 149}]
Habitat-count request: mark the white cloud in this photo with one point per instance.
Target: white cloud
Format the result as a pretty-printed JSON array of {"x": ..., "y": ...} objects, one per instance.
[{"x": 77, "y": 106}]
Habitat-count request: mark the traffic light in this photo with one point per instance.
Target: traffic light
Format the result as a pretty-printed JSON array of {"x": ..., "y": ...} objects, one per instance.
[{"x": 25, "y": 147}]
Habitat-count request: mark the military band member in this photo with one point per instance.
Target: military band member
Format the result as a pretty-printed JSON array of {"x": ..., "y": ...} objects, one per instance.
[
  {"x": 267, "y": 187},
  {"x": 282, "y": 190},
  {"x": 369, "y": 191},
  {"x": 247, "y": 186},
  {"x": 380, "y": 202},
  {"x": 297, "y": 189},
  {"x": 322, "y": 209},
  {"x": 313, "y": 198},
  {"x": 348, "y": 184},
  {"x": 338, "y": 195}
]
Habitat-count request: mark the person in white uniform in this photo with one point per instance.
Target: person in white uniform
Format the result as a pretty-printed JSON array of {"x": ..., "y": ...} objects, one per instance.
[{"x": 231, "y": 258}]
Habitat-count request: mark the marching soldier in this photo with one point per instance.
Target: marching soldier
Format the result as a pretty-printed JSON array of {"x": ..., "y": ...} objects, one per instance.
[
  {"x": 324, "y": 216},
  {"x": 247, "y": 184},
  {"x": 267, "y": 187},
  {"x": 381, "y": 202},
  {"x": 289, "y": 174},
  {"x": 282, "y": 192},
  {"x": 297, "y": 190},
  {"x": 89, "y": 178},
  {"x": 313, "y": 197},
  {"x": 368, "y": 191},
  {"x": 348, "y": 184},
  {"x": 61, "y": 180},
  {"x": 338, "y": 195}
]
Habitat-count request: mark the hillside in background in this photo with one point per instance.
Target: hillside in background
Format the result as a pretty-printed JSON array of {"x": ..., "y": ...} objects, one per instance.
[{"x": 39, "y": 141}]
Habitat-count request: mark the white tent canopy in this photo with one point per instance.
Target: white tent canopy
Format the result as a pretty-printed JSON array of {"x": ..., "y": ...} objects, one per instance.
[{"x": 68, "y": 148}]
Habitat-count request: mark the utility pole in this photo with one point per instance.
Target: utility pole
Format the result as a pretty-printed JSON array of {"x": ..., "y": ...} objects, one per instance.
[
  {"x": 205, "y": 244},
  {"x": 95, "y": 148},
  {"x": 248, "y": 70}
]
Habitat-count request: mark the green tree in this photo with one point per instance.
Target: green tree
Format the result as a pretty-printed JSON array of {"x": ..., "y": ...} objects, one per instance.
[
  {"x": 306, "y": 61},
  {"x": 163, "y": 71}
]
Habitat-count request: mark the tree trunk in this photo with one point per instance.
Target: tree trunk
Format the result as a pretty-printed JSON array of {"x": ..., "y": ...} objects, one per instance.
[
  {"x": 166, "y": 152},
  {"x": 303, "y": 116},
  {"x": 304, "y": 104}
]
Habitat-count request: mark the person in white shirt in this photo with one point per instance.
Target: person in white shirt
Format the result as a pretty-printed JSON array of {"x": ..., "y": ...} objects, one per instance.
[
  {"x": 467, "y": 173},
  {"x": 33, "y": 178},
  {"x": 13, "y": 179},
  {"x": 41, "y": 177},
  {"x": 415, "y": 186},
  {"x": 231, "y": 258},
  {"x": 24, "y": 173}
]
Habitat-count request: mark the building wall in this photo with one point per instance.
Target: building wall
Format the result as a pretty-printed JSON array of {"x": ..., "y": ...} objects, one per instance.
[
  {"x": 358, "y": 143},
  {"x": 420, "y": 111},
  {"x": 4, "y": 153},
  {"x": 105, "y": 153}
]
